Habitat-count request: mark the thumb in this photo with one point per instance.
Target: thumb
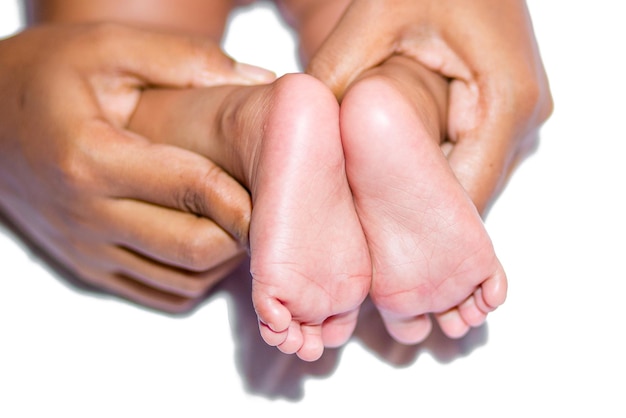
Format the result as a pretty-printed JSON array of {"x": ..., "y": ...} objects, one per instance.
[
  {"x": 358, "y": 42},
  {"x": 175, "y": 60},
  {"x": 486, "y": 141}
]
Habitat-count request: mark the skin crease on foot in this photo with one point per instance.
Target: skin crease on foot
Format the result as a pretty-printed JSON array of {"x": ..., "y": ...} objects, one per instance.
[
  {"x": 406, "y": 202},
  {"x": 430, "y": 250},
  {"x": 309, "y": 260},
  {"x": 297, "y": 175}
]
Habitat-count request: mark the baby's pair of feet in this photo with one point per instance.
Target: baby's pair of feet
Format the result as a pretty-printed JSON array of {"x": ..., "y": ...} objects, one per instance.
[{"x": 348, "y": 201}]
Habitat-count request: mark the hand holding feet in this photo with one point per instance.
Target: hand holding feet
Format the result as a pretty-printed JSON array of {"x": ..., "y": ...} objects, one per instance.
[
  {"x": 309, "y": 260},
  {"x": 430, "y": 251}
]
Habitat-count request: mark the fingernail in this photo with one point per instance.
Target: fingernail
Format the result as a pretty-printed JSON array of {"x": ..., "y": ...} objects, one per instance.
[{"x": 254, "y": 73}]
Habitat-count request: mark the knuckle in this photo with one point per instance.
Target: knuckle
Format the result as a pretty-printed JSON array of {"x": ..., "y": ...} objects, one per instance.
[
  {"x": 527, "y": 95},
  {"x": 227, "y": 193},
  {"x": 212, "y": 175},
  {"x": 195, "y": 198},
  {"x": 546, "y": 104},
  {"x": 196, "y": 251},
  {"x": 198, "y": 197},
  {"x": 73, "y": 172},
  {"x": 217, "y": 196},
  {"x": 530, "y": 98},
  {"x": 241, "y": 225},
  {"x": 190, "y": 200}
]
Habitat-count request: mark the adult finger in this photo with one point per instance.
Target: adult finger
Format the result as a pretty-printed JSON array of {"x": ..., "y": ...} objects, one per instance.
[
  {"x": 123, "y": 286},
  {"x": 169, "y": 279},
  {"x": 494, "y": 114},
  {"x": 171, "y": 177},
  {"x": 104, "y": 274},
  {"x": 169, "y": 236},
  {"x": 98, "y": 260},
  {"x": 483, "y": 162},
  {"x": 356, "y": 44},
  {"x": 169, "y": 59}
]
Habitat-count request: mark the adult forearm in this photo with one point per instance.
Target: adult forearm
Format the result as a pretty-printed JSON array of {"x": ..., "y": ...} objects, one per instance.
[{"x": 206, "y": 18}]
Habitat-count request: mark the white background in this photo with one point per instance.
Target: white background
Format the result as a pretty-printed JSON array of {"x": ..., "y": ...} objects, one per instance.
[{"x": 556, "y": 348}]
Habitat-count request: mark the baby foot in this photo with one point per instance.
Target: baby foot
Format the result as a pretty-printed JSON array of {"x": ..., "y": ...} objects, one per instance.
[
  {"x": 309, "y": 260},
  {"x": 430, "y": 251}
]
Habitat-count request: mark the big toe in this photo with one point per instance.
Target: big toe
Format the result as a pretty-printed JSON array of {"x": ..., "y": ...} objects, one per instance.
[{"x": 274, "y": 320}]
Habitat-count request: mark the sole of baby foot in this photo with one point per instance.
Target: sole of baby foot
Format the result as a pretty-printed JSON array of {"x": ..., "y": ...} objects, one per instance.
[
  {"x": 309, "y": 259},
  {"x": 429, "y": 247}
]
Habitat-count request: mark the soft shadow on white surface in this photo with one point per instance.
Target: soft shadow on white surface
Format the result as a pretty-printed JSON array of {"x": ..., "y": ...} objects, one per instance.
[
  {"x": 57, "y": 270},
  {"x": 264, "y": 370},
  {"x": 269, "y": 373},
  {"x": 559, "y": 227}
]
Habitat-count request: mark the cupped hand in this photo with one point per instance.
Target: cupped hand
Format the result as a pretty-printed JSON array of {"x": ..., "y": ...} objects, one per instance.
[
  {"x": 152, "y": 223},
  {"x": 499, "y": 94}
]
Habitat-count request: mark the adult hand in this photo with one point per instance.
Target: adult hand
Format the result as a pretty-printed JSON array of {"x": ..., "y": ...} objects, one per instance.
[
  {"x": 498, "y": 94},
  {"x": 152, "y": 223}
]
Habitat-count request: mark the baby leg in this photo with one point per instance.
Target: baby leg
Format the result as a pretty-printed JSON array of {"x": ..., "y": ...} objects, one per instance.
[
  {"x": 430, "y": 251},
  {"x": 309, "y": 260}
]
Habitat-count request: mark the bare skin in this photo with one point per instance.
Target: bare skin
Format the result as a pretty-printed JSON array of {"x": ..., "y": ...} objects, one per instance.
[
  {"x": 309, "y": 260},
  {"x": 154, "y": 224},
  {"x": 459, "y": 293},
  {"x": 499, "y": 95},
  {"x": 96, "y": 198},
  {"x": 419, "y": 221},
  {"x": 430, "y": 251},
  {"x": 206, "y": 18}
]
